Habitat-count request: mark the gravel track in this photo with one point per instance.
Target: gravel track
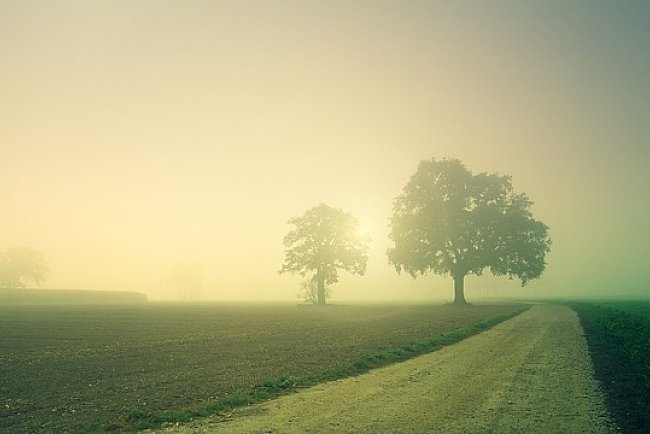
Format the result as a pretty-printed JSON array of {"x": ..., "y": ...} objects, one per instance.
[{"x": 530, "y": 374}]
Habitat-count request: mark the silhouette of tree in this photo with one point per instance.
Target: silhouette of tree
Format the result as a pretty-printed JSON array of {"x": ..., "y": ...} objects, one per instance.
[
  {"x": 186, "y": 280},
  {"x": 323, "y": 241},
  {"x": 309, "y": 290},
  {"x": 20, "y": 264},
  {"x": 451, "y": 222}
]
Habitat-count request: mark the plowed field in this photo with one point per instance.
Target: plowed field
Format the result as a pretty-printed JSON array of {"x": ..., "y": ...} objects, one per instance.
[{"x": 68, "y": 368}]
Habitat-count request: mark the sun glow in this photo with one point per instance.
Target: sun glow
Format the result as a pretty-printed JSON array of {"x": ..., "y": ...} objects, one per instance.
[{"x": 136, "y": 138}]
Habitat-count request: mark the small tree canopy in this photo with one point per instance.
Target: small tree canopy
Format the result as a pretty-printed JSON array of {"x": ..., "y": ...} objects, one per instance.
[
  {"x": 323, "y": 241},
  {"x": 20, "y": 264},
  {"x": 449, "y": 221}
]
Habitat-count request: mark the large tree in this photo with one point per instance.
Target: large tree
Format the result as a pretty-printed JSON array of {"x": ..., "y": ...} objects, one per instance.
[
  {"x": 323, "y": 241},
  {"x": 451, "y": 222},
  {"x": 20, "y": 264}
]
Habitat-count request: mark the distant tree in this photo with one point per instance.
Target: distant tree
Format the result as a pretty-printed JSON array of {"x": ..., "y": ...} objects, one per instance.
[
  {"x": 323, "y": 241},
  {"x": 186, "y": 280},
  {"x": 309, "y": 290},
  {"x": 20, "y": 264},
  {"x": 451, "y": 222}
]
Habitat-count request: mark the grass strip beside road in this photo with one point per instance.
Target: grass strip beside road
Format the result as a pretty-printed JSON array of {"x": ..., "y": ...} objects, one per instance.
[
  {"x": 138, "y": 420},
  {"x": 618, "y": 335}
]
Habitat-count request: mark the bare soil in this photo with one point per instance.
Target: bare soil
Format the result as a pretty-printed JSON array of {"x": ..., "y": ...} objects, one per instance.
[
  {"x": 530, "y": 374},
  {"x": 69, "y": 368}
]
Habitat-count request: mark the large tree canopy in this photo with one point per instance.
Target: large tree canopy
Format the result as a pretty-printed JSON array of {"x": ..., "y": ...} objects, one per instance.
[
  {"x": 323, "y": 241},
  {"x": 20, "y": 264},
  {"x": 451, "y": 222}
]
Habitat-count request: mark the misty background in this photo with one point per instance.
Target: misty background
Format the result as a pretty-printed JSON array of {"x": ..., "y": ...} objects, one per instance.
[{"x": 139, "y": 138}]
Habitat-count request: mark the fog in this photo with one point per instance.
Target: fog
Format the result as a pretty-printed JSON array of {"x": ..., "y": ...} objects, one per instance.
[{"x": 142, "y": 138}]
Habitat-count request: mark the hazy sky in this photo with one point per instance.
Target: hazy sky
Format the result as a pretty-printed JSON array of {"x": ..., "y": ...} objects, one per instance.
[{"x": 139, "y": 135}]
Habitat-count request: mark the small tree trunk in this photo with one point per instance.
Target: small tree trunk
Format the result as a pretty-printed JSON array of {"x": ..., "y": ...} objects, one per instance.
[
  {"x": 459, "y": 290},
  {"x": 321, "y": 289}
]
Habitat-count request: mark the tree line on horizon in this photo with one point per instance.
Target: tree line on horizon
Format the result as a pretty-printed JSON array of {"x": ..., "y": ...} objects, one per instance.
[{"x": 447, "y": 221}]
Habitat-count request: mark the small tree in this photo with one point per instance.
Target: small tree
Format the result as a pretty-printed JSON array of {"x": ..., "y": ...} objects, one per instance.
[
  {"x": 323, "y": 241},
  {"x": 453, "y": 223},
  {"x": 186, "y": 280},
  {"x": 309, "y": 290},
  {"x": 20, "y": 264}
]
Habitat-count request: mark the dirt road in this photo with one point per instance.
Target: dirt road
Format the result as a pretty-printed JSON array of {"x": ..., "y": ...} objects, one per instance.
[{"x": 530, "y": 374}]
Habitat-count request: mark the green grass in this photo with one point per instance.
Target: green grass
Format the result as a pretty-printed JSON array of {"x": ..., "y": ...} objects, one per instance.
[
  {"x": 276, "y": 387},
  {"x": 618, "y": 335}
]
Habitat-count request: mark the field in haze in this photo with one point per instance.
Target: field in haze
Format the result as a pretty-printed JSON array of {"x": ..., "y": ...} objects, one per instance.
[
  {"x": 67, "y": 368},
  {"x": 389, "y": 154}
]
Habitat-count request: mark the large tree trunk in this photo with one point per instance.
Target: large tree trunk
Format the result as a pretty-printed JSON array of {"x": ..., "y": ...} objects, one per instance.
[
  {"x": 459, "y": 290},
  {"x": 321, "y": 289}
]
